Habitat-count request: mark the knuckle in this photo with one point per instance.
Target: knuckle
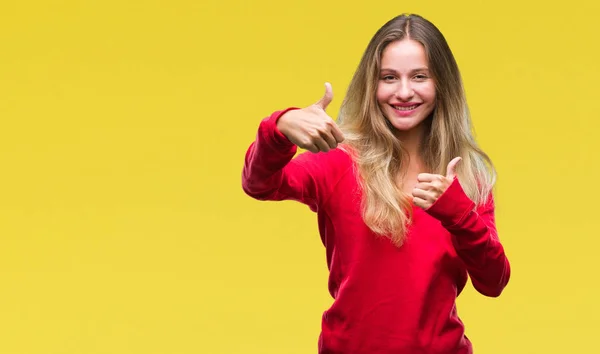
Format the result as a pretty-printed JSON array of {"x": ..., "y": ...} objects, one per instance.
[{"x": 306, "y": 142}]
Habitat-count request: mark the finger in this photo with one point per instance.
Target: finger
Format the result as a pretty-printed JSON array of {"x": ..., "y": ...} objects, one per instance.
[
  {"x": 424, "y": 186},
  {"x": 327, "y": 97},
  {"x": 451, "y": 170},
  {"x": 428, "y": 177},
  {"x": 337, "y": 133},
  {"x": 322, "y": 145},
  {"x": 312, "y": 148},
  {"x": 421, "y": 194},
  {"x": 420, "y": 203},
  {"x": 434, "y": 187},
  {"x": 328, "y": 137}
]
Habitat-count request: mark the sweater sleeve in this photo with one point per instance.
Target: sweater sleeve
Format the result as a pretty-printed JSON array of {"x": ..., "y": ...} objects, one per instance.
[
  {"x": 272, "y": 173},
  {"x": 475, "y": 238}
]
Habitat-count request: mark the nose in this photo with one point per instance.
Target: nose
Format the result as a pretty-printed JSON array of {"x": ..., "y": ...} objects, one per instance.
[{"x": 404, "y": 90}]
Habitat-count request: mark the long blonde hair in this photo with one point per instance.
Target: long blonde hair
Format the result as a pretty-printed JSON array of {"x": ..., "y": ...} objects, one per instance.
[{"x": 380, "y": 156}]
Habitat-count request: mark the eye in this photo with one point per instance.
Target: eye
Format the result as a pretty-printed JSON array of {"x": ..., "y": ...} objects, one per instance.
[
  {"x": 388, "y": 77},
  {"x": 421, "y": 77}
]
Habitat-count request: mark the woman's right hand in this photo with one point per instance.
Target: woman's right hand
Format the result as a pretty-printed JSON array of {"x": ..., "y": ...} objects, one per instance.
[{"x": 311, "y": 128}]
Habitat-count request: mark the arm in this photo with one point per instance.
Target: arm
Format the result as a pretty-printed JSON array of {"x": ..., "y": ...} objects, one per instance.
[
  {"x": 271, "y": 173},
  {"x": 270, "y": 170},
  {"x": 475, "y": 238}
]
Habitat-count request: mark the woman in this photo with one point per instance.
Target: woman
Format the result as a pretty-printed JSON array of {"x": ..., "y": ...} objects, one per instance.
[{"x": 402, "y": 192}]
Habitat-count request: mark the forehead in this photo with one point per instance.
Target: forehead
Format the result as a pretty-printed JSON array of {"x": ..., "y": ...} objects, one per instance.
[{"x": 405, "y": 54}]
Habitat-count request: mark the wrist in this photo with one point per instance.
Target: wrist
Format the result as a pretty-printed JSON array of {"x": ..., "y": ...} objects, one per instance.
[
  {"x": 273, "y": 125},
  {"x": 283, "y": 120}
]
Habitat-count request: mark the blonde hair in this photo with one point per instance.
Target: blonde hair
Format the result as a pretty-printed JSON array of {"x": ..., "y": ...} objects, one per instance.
[{"x": 380, "y": 156}]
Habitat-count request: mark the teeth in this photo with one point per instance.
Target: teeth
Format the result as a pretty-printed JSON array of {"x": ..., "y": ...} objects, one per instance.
[{"x": 406, "y": 108}]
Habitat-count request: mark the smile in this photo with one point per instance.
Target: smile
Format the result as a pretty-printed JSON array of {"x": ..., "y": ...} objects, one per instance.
[{"x": 409, "y": 108}]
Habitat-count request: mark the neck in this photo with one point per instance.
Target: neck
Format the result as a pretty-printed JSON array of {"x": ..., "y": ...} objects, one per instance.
[{"x": 411, "y": 141}]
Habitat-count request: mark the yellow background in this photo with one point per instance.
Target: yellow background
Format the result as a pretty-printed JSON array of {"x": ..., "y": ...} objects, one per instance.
[{"x": 124, "y": 126}]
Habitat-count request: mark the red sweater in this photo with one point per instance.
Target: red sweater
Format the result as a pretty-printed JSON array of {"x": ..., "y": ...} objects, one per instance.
[{"x": 387, "y": 299}]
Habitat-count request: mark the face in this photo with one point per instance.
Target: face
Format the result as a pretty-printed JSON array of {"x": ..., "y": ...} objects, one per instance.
[{"x": 406, "y": 90}]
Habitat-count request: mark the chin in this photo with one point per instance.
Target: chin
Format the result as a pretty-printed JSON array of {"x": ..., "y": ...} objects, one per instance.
[{"x": 405, "y": 124}]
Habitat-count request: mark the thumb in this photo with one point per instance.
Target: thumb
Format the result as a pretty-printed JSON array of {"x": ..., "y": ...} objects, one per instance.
[
  {"x": 327, "y": 98},
  {"x": 451, "y": 171}
]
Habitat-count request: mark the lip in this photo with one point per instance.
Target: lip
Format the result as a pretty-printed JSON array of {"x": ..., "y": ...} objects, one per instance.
[
  {"x": 405, "y": 104},
  {"x": 405, "y": 113}
]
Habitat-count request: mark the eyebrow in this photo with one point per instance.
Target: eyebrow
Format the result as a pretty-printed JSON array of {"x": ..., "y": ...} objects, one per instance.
[{"x": 412, "y": 71}]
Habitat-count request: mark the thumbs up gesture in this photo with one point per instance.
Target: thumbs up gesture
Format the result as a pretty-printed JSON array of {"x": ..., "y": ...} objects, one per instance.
[
  {"x": 311, "y": 128},
  {"x": 430, "y": 187}
]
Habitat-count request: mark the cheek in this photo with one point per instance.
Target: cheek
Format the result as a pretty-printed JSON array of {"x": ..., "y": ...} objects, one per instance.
[
  {"x": 383, "y": 94},
  {"x": 427, "y": 94},
  {"x": 430, "y": 93}
]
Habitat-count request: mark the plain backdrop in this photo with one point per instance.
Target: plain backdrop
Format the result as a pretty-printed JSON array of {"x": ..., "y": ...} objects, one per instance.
[{"x": 124, "y": 124}]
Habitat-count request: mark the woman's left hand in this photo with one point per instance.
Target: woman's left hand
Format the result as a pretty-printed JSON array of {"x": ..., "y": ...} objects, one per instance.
[{"x": 431, "y": 186}]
